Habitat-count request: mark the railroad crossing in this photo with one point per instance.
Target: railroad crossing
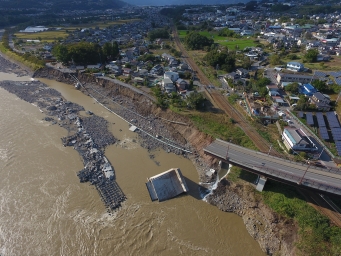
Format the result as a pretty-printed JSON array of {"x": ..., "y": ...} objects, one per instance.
[{"x": 276, "y": 168}]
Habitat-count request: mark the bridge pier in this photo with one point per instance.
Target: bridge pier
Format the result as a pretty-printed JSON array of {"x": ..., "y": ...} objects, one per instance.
[{"x": 261, "y": 183}]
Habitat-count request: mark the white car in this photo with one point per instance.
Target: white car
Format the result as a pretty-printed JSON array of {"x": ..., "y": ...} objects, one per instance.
[{"x": 281, "y": 113}]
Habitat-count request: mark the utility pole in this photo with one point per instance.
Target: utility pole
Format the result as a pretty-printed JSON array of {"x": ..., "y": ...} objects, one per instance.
[
  {"x": 300, "y": 182},
  {"x": 321, "y": 153},
  {"x": 270, "y": 149},
  {"x": 338, "y": 97},
  {"x": 227, "y": 151}
]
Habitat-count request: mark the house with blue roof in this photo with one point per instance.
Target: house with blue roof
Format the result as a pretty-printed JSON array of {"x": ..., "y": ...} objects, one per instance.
[{"x": 307, "y": 89}]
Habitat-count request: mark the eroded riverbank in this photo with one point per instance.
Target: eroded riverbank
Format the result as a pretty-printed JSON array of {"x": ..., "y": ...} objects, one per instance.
[
  {"x": 188, "y": 137},
  {"x": 263, "y": 225}
]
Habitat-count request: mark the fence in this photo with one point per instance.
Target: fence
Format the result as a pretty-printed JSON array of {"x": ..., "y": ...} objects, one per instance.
[{"x": 313, "y": 134}]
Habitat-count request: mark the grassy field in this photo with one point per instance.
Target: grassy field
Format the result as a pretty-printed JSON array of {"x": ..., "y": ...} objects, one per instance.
[
  {"x": 222, "y": 40},
  {"x": 221, "y": 126},
  {"x": 241, "y": 43},
  {"x": 45, "y": 36},
  {"x": 63, "y": 32}
]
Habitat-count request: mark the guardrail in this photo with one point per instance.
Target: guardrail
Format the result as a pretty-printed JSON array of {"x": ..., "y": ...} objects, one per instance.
[
  {"x": 297, "y": 179},
  {"x": 331, "y": 169}
]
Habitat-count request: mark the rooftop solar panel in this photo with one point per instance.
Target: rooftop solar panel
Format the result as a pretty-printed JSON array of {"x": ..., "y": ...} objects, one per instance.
[
  {"x": 324, "y": 133},
  {"x": 320, "y": 119},
  {"x": 300, "y": 114},
  {"x": 309, "y": 117},
  {"x": 338, "y": 81},
  {"x": 336, "y": 132},
  {"x": 332, "y": 119}
]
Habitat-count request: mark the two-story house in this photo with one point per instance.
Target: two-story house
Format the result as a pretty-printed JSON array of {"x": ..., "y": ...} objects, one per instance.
[
  {"x": 168, "y": 85},
  {"x": 181, "y": 84},
  {"x": 321, "y": 102}
]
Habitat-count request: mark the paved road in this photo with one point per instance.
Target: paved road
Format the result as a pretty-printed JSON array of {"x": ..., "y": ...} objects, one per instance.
[{"x": 314, "y": 177}]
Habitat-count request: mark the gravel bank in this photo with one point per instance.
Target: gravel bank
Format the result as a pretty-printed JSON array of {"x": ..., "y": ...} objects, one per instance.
[{"x": 88, "y": 136}]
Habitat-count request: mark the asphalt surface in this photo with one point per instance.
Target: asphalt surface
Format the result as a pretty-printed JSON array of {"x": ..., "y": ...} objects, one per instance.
[{"x": 320, "y": 178}]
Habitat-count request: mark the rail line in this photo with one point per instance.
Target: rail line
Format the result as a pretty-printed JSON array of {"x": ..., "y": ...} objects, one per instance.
[{"x": 219, "y": 101}]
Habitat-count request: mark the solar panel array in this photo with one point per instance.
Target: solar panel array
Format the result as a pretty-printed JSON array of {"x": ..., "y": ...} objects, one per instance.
[
  {"x": 332, "y": 120},
  {"x": 338, "y": 147},
  {"x": 335, "y": 74},
  {"x": 338, "y": 81},
  {"x": 300, "y": 114},
  {"x": 324, "y": 133},
  {"x": 320, "y": 119},
  {"x": 336, "y": 132},
  {"x": 320, "y": 74},
  {"x": 335, "y": 129},
  {"x": 309, "y": 117}
]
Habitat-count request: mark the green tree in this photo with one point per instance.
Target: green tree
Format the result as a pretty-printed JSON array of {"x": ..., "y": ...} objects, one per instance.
[
  {"x": 311, "y": 55},
  {"x": 196, "y": 100},
  {"x": 319, "y": 85},
  {"x": 302, "y": 103},
  {"x": 195, "y": 41},
  {"x": 225, "y": 60},
  {"x": 61, "y": 53},
  {"x": 292, "y": 88},
  {"x": 275, "y": 59},
  {"x": 158, "y": 33}
]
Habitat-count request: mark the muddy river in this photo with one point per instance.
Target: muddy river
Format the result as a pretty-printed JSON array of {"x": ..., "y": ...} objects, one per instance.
[{"x": 45, "y": 210}]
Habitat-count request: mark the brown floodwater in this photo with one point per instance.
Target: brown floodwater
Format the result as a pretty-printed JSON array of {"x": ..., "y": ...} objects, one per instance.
[{"x": 45, "y": 210}]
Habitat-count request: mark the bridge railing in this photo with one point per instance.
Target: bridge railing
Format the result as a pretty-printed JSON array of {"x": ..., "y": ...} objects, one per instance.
[
  {"x": 295, "y": 178},
  {"x": 330, "y": 169}
]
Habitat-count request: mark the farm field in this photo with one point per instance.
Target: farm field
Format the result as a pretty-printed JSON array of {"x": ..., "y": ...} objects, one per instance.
[
  {"x": 63, "y": 31},
  {"x": 222, "y": 40}
]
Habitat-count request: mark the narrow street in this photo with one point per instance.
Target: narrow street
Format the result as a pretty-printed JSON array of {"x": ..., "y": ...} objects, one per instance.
[{"x": 220, "y": 101}]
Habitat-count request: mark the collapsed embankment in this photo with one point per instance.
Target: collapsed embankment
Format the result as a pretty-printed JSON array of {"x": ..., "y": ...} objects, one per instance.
[{"x": 274, "y": 234}]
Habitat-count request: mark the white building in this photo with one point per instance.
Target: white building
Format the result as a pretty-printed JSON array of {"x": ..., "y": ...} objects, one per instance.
[
  {"x": 295, "y": 66},
  {"x": 168, "y": 85},
  {"x": 34, "y": 29},
  {"x": 171, "y": 75},
  {"x": 297, "y": 140}
]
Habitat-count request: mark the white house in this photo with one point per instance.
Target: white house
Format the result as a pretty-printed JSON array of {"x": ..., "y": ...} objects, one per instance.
[
  {"x": 295, "y": 66},
  {"x": 168, "y": 85},
  {"x": 171, "y": 75},
  {"x": 297, "y": 140}
]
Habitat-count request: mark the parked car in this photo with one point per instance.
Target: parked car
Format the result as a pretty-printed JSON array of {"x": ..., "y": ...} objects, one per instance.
[
  {"x": 318, "y": 164},
  {"x": 281, "y": 113}
]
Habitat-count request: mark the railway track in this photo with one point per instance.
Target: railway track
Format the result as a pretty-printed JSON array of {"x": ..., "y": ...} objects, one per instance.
[{"x": 219, "y": 101}]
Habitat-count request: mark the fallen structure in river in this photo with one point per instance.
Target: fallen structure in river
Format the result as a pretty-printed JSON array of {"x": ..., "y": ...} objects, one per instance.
[{"x": 166, "y": 185}]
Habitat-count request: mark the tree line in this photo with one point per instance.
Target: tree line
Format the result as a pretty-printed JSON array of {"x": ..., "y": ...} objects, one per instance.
[{"x": 85, "y": 53}]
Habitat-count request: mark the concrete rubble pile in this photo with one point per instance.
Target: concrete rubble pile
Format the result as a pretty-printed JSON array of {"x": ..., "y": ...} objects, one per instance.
[{"x": 124, "y": 107}]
